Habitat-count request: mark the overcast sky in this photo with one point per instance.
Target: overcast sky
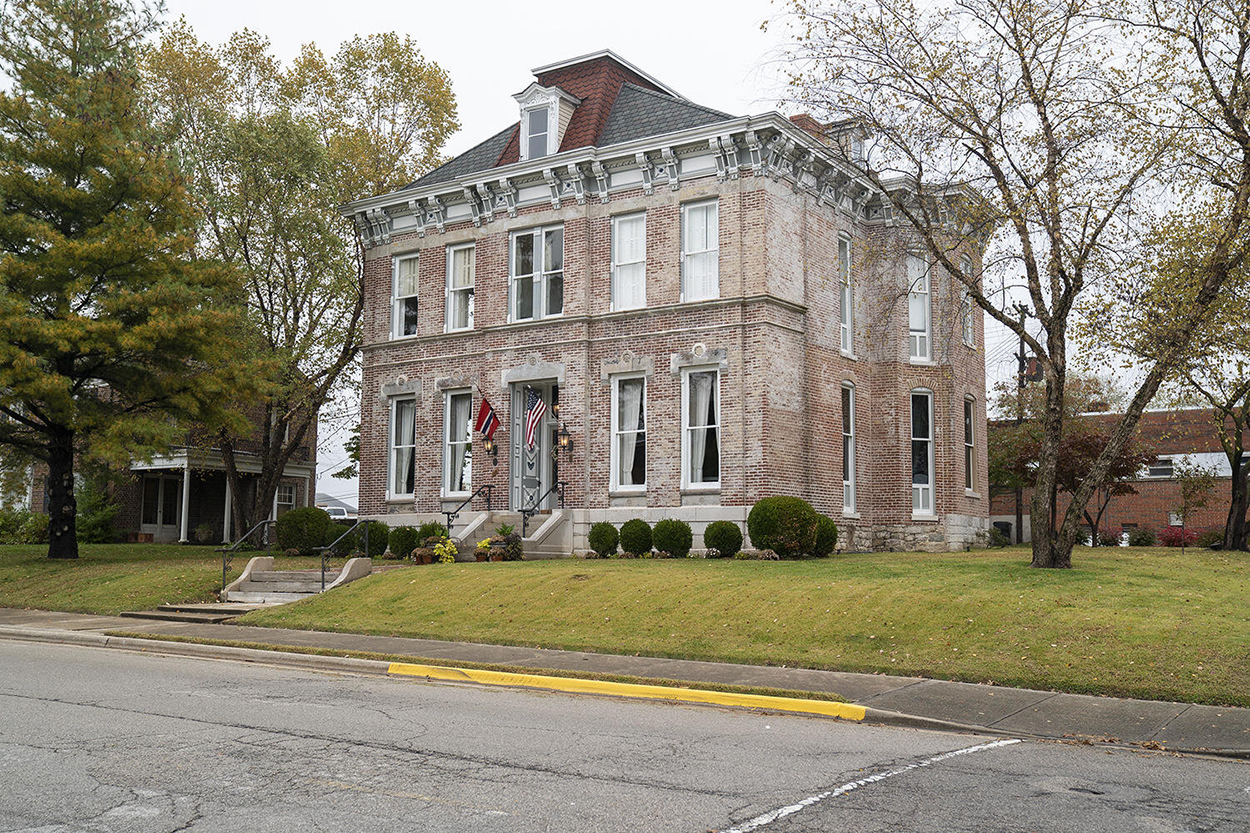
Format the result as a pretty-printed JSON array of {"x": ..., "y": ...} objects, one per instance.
[{"x": 714, "y": 54}]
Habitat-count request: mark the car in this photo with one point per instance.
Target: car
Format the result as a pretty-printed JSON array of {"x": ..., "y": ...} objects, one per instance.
[{"x": 337, "y": 513}]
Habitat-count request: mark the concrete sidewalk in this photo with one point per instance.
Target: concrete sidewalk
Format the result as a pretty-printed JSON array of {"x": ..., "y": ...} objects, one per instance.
[{"x": 910, "y": 701}]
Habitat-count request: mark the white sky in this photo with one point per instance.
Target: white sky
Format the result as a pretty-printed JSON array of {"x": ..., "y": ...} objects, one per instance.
[{"x": 714, "y": 54}]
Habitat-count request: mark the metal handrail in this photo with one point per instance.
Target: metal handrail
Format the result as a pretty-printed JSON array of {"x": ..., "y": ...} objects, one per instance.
[
  {"x": 455, "y": 513},
  {"x": 227, "y": 553},
  {"x": 526, "y": 514},
  {"x": 330, "y": 546}
]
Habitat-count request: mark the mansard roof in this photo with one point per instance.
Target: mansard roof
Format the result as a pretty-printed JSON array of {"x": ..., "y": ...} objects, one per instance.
[{"x": 619, "y": 102}]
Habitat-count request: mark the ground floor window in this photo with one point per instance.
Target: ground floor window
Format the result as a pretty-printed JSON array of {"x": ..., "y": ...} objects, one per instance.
[
  {"x": 970, "y": 451},
  {"x": 848, "y": 448},
  {"x": 403, "y": 447},
  {"x": 285, "y": 498},
  {"x": 629, "y": 433},
  {"x": 922, "y": 453},
  {"x": 700, "y": 409},
  {"x": 457, "y": 450}
]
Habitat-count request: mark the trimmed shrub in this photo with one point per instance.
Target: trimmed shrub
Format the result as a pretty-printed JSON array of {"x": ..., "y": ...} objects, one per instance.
[
  {"x": 343, "y": 548},
  {"x": 785, "y": 525},
  {"x": 673, "y": 537},
  {"x": 1142, "y": 538},
  {"x": 603, "y": 539},
  {"x": 1212, "y": 539},
  {"x": 1109, "y": 537},
  {"x": 430, "y": 529},
  {"x": 636, "y": 537},
  {"x": 1175, "y": 536},
  {"x": 379, "y": 537},
  {"x": 402, "y": 541},
  {"x": 724, "y": 537},
  {"x": 826, "y": 537},
  {"x": 303, "y": 529}
]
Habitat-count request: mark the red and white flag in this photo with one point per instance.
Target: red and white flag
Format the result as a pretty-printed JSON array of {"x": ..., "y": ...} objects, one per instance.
[
  {"x": 535, "y": 407},
  {"x": 487, "y": 421}
]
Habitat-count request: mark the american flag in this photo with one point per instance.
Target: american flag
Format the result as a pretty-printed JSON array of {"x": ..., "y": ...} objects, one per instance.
[{"x": 534, "y": 410}]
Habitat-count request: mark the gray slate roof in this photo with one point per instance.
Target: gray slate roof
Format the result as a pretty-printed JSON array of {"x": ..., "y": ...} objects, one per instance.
[
  {"x": 478, "y": 158},
  {"x": 639, "y": 112}
]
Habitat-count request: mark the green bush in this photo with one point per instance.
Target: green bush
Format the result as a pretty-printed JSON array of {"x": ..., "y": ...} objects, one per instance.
[
  {"x": 96, "y": 512},
  {"x": 785, "y": 525},
  {"x": 303, "y": 529},
  {"x": 826, "y": 537},
  {"x": 997, "y": 538},
  {"x": 603, "y": 539},
  {"x": 379, "y": 537},
  {"x": 636, "y": 537},
  {"x": 403, "y": 540},
  {"x": 21, "y": 526},
  {"x": 430, "y": 529},
  {"x": 1142, "y": 538},
  {"x": 724, "y": 537},
  {"x": 1212, "y": 539},
  {"x": 347, "y": 545},
  {"x": 673, "y": 537}
]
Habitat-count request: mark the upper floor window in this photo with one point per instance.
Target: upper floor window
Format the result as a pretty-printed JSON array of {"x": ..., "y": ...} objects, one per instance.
[
  {"x": 1161, "y": 467},
  {"x": 629, "y": 261},
  {"x": 403, "y": 447},
  {"x": 921, "y": 453},
  {"x": 969, "y": 331},
  {"x": 919, "y": 335},
  {"x": 846, "y": 302},
  {"x": 404, "y": 297},
  {"x": 629, "y": 433},
  {"x": 700, "y": 423},
  {"x": 457, "y": 449},
  {"x": 537, "y": 131},
  {"x": 537, "y": 265},
  {"x": 460, "y": 272},
  {"x": 700, "y": 251}
]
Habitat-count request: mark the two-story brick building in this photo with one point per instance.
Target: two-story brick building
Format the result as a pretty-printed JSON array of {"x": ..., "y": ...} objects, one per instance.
[{"x": 673, "y": 312}]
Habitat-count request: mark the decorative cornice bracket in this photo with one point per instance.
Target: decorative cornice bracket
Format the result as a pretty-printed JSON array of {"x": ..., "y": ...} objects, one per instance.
[
  {"x": 670, "y": 165},
  {"x": 553, "y": 182},
  {"x": 601, "y": 180},
  {"x": 644, "y": 165}
]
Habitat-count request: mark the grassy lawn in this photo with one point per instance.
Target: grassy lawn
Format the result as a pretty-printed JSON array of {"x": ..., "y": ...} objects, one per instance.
[
  {"x": 110, "y": 578},
  {"x": 1145, "y": 623}
]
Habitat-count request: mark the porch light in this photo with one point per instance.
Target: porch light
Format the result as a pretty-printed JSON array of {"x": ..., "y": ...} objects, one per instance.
[
  {"x": 555, "y": 409},
  {"x": 492, "y": 449},
  {"x": 564, "y": 438}
]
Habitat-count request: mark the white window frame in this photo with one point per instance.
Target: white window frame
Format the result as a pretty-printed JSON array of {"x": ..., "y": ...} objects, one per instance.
[
  {"x": 392, "y": 447},
  {"x": 686, "y": 428},
  {"x": 450, "y": 446},
  {"x": 847, "y": 397},
  {"x": 970, "y": 446},
  {"x": 553, "y": 118},
  {"x": 1156, "y": 469},
  {"x": 541, "y": 275},
  {"x": 618, "y": 262},
  {"x": 922, "y": 495},
  {"x": 288, "y": 488},
  {"x": 846, "y": 299},
  {"x": 688, "y": 253},
  {"x": 398, "y": 301},
  {"x": 453, "y": 291},
  {"x": 919, "y": 286},
  {"x": 967, "y": 321},
  {"x": 614, "y": 458}
]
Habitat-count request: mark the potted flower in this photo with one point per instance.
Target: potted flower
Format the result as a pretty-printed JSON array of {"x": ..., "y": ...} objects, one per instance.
[
  {"x": 445, "y": 551},
  {"x": 482, "y": 551}
]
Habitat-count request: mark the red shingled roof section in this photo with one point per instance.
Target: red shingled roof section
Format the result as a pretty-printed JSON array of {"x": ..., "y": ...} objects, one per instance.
[{"x": 597, "y": 83}]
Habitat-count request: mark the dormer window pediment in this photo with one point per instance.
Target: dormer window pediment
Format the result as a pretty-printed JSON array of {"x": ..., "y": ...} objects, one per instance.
[{"x": 545, "y": 113}]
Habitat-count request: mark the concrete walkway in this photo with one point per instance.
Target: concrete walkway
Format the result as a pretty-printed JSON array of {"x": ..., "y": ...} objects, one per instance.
[{"x": 895, "y": 700}]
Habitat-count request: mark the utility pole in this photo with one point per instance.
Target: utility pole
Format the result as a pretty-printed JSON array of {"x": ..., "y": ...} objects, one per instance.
[{"x": 1020, "y": 369}]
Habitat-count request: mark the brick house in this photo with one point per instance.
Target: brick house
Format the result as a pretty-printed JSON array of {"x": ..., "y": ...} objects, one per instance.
[
  {"x": 673, "y": 312},
  {"x": 1173, "y": 436}
]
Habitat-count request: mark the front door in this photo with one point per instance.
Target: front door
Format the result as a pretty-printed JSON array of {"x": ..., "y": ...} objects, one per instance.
[
  {"x": 162, "y": 507},
  {"x": 534, "y": 467}
]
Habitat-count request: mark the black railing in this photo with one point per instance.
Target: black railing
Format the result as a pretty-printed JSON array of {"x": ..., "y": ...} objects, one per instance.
[
  {"x": 227, "y": 553},
  {"x": 332, "y": 544},
  {"x": 529, "y": 512},
  {"x": 455, "y": 513}
]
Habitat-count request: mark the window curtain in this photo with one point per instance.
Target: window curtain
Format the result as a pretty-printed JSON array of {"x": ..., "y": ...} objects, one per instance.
[
  {"x": 629, "y": 405},
  {"x": 462, "y": 288},
  {"x": 457, "y": 441},
  {"x": 404, "y": 444},
  {"x": 918, "y": 295},
  {"x": 700, "y": 406}
]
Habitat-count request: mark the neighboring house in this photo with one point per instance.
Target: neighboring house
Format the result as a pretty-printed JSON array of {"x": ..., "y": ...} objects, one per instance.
[
  {"x": 674, "y": 312},
  {"x": 167, "y": 498},
  {"x": 1173, "y": 435}
]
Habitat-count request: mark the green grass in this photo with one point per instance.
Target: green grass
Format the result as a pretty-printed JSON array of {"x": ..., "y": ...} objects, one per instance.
[
  {"x": 110, "y": 578},
  {"x": 1145, "y": 623}
]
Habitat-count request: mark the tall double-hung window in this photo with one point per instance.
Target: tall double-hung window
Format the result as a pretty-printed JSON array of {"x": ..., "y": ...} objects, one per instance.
[
  {"x": 846, "y": 302},
  {"x": 537, "y": 267},
  {"x": 538, "y": 128},
  {"x": 700, "y": 251},
  {"x": 629, "y": 433},
  {"x": 700, "y": 408},
  {"x": 629, "y": 261},
  {"x": 460, "y": 274},
  {"x": 848, "y": 448},
  {"x": 400, "y": 478},
  {"x": 457, "y": 449},
  {"x": 921, "y": 453},
  {"x": 404, "y": 297},
  {"x": 966, "y": 320},
  {"x": 919, "y": 322}
]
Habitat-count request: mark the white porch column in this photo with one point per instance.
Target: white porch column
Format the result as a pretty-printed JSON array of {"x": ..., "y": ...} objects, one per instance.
[
  {"x": 225, "y": 522},
  {"x": 186, "y": 499},
  {"x": 273, "y": 514}
]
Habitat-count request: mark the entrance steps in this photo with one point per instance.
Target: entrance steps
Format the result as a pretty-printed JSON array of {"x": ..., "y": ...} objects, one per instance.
[
  {"x": 261, "y": 584},
  {"x": 199, "y": 613},
  {"x": 549, "y": 534}
]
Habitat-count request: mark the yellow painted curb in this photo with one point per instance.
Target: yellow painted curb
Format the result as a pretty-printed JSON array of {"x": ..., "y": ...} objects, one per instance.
[{"x": 846, "y": 711}]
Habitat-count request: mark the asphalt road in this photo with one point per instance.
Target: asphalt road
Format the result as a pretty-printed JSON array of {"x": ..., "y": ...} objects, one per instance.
[{"x": 108, "y": 740}]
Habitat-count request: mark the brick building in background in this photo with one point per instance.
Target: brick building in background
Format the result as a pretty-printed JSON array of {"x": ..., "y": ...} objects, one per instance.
[
  {"x": 1173, "y": 436},
  {"x": 685, "y": 311}
]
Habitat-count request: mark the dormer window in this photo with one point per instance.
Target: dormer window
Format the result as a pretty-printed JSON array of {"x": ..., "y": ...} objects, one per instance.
[
  {"x": 536, "y": 123},
  {"x": 545, "y": 113}
]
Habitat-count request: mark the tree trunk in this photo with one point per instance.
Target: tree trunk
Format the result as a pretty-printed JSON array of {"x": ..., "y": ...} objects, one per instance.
[
  {"x": 1235, "y": 527},
  {"x": 1049, "y": 549},
  {"x": 62, "y": 507}
]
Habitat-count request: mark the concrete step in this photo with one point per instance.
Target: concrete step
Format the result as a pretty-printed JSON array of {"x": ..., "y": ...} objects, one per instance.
[
  {"x": 211, "y": 607},
  {"x": 179, "y": 616},
  {"x": 252, "y": 586},
  {"x": 295, "y": 575},
  {"x": 266, "y": 596}
]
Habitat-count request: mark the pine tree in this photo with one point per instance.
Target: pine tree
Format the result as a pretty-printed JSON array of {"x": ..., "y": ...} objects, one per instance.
[{"x": 110, "y": 329}]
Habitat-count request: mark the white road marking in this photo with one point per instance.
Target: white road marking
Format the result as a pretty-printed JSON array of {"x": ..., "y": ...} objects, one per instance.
[{"x": 782, "y": 812}]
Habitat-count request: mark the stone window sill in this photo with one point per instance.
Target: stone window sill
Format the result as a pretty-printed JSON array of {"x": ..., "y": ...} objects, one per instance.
[{"x": 924, "y": 519}]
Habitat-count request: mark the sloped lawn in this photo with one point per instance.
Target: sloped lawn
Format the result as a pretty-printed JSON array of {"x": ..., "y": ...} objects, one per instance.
[{"x": 1146, "y": 623}]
